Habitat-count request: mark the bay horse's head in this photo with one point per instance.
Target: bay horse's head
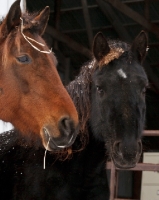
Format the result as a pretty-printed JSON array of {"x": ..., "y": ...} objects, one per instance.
[
  {"x": 118, "y": 97},
  {"x": 32, "y": 96}
]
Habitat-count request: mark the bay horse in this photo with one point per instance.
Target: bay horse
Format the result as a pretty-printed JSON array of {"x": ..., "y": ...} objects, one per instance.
[
  {"x": 32, "y": 96},
  {"x": 109, "y": 94}
]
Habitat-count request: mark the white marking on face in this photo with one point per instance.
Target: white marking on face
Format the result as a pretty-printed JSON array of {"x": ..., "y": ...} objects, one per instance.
[{"x": 122, "y": 73}]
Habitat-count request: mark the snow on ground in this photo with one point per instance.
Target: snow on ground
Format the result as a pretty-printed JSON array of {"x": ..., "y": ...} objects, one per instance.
[{"x": 5, "y": 126}]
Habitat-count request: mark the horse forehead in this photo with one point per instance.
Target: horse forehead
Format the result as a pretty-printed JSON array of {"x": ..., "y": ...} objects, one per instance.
[{"x": 131, "y": 71}]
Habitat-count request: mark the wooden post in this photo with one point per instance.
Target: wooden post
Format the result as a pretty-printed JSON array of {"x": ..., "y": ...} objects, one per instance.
[
  {"x": 57, "y": 19},
  {"x": 67, "y": 70},
  {"x": 106, "y": 8},
  {"x": 112, "y": 181},
  {"x": 87, "y": 21}
]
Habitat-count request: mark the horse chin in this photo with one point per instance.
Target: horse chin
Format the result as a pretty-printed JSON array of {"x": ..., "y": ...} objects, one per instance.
[
  {"x": 54, "y": 146},
  {"x": 124, "y": 164}
]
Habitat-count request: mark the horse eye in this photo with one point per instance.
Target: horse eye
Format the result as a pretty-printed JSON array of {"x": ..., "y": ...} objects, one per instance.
[
  {"x": 100, "y": 90},
  {"x": 24, "y": 59}
]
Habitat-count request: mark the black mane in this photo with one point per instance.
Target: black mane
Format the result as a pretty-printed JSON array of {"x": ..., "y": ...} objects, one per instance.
[{"x": 79, "y": 90}]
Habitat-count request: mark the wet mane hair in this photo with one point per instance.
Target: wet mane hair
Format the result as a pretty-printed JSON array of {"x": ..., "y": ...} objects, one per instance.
[{"x": 79, "y": 90}]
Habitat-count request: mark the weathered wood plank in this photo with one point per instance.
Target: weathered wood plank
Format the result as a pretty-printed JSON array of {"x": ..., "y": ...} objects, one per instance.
[
  {"x": 114, "y": 20},
  {"x": 134, "y": 15},
  {"x": 68, "y": 41}
]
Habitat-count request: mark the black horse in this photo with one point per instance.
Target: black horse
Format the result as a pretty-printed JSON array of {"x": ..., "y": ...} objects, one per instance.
[
  {"x": 109, "y": 94},
  {"x": 115, "y": 84}
]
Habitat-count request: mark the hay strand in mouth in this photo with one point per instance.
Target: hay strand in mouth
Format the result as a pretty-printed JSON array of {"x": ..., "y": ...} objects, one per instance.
[{"x": 44, "y": 164}]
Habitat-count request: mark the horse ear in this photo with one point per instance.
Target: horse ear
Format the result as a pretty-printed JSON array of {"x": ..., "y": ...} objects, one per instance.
[
  {"x": 139, "y": 46},
  {"x": 100, "y": 46},
  {"x": 12, "y": 19},
  {"x": 41, "y": 20}
]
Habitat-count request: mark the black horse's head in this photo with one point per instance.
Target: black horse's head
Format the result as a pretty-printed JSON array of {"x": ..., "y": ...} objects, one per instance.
[{"x": 118, "y": 97}]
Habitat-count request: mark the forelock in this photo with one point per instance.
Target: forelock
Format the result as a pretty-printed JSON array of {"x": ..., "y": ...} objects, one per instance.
[
  {"x": 113, "y": 54},
  {"x": 117, "y": 48}
]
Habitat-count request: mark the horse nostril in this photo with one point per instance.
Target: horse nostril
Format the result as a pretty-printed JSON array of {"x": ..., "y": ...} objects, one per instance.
[
  {"x": 117, "y": 148},
  {"x": 66, "y": 125}
]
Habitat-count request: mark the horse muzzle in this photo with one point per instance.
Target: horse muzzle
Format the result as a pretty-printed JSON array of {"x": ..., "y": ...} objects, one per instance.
[
  {"x": 60, "y": 137},
  {"x": 125, "y": 157}
]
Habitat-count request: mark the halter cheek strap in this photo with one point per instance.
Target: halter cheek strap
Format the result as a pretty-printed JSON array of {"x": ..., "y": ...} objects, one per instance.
[{"x": 28, "y": 39}]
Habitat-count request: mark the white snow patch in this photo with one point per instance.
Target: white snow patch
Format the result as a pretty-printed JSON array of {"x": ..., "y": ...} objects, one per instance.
[{"x": 4, "y": 126}]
